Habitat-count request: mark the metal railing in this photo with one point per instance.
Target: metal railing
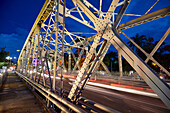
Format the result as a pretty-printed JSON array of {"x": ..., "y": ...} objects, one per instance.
[{"x": 60, "y": 103}]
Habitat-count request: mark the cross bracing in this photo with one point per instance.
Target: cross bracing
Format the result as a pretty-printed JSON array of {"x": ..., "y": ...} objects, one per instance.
[{"x": 42, "y": 58}]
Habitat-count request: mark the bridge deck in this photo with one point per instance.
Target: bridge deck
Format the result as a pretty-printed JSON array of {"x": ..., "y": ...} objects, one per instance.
[{"x": 16, "y": 98}]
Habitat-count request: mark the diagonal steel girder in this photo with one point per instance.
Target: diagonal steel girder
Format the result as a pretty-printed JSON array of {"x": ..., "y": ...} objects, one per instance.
[
  {"x": 101, "y": 26},
  {"x": 105, "y": 47},
  {"x": 150, "y": 56},
  {"x": 100, "y": 55},
  {"x": 150, "y": 77},
  {"x": 158, "y": 45}
]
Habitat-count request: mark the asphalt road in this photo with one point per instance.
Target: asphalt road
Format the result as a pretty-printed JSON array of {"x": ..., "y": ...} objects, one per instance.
[{"x": 121, "y": 101}]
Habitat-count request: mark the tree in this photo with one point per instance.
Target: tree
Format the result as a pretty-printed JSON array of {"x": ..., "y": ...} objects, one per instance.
[
  {"x": 3, "y": 54},
  {"x": 139, "y": 40},
  {"x": 111, "y": 58},
  {"x": 163, "y": 56},
  {"x": 149, "y": 45}
]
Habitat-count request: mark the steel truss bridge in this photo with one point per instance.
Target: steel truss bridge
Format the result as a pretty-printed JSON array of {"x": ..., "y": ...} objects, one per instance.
[{"x": 42, "y": 57}]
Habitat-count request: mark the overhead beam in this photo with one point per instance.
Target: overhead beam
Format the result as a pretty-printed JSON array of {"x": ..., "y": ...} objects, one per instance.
[
  {"x": 145, "y": 18},
  {"x": 86, "y": 10}
]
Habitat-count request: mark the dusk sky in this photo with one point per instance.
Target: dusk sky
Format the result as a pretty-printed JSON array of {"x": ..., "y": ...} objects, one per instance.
[{"x": 18, "y": 16}]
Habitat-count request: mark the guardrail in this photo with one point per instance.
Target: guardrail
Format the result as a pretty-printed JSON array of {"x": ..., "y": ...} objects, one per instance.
[
  {"x": 63, "y": 103},
  {"x": 60, "y": 103},
  {"x": 2, "y": 78}
]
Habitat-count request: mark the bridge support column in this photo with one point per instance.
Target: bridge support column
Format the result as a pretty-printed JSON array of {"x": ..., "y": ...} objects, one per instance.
[
  {"x": 120, "y": 64},
  {"x": 69, "y": 61}
]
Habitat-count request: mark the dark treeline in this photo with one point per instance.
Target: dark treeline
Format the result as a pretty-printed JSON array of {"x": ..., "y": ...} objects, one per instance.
[{"x": 162, "y": 55}]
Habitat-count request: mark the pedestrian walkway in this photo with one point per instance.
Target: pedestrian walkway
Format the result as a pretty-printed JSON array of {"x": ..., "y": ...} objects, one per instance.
[{"x": 16, "y": 98}]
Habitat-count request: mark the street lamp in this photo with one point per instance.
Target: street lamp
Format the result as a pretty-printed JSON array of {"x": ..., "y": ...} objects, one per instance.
[
  {"x": 154, "y": 64},
  {"x": 9, "y": 58}
]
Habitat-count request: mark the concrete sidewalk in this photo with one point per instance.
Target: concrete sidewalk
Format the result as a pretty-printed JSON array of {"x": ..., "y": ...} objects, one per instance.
[{"x": 16, "y": 98}]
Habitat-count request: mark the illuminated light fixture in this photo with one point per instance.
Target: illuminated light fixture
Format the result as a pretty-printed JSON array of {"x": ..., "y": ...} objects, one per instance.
[
  {"x": 9, "y": 58},
  {"x": 30, "y": 72},
  {"x": 153, "y": 64}
]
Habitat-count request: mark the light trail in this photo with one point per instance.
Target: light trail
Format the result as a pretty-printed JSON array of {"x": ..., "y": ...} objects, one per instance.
[{"x": 122, "y": 89}]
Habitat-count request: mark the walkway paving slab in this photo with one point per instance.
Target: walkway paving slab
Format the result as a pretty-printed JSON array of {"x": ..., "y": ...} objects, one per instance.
[{"x": 16, "y": 98}]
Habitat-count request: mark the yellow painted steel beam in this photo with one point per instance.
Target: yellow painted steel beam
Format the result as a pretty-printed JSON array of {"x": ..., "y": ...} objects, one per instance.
[
  {"x": 41, "y": 18},
  {"x": 146, "y": 18}
]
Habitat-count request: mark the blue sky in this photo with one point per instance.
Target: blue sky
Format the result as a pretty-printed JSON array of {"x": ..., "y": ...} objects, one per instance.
[
  {"x": 18, "y": 16},
  {"x": 16, "y": 20}
]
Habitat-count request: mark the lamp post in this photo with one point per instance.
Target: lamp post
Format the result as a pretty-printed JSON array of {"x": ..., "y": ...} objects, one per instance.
[
  {"x": 10, "y": 61},
  {"x": 10, "y": 58}
]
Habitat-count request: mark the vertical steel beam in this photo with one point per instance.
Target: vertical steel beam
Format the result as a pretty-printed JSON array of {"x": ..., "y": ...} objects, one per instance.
[
  {"x": 62, "y": 53},
  {"x": 100, "y": 8},
  {"x": 35, "y": 44},
  {"x": 56, "y": 44},
  {"x": 27, "y": 55},
  {"x": 19, "y": 63},
  {"x": 69, "y": 61},
  {"x": 22, "y": 62},
  {"x": 25, "y": 59},
  {"x": 85, "y": 64},
  {"x": 120, "y": 64},
  {"x": 38, "y": 52}
]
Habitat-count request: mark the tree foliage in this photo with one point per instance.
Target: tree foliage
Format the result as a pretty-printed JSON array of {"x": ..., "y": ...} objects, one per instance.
[
  {"x": 3, "y": 54},
  {"x": 162, "y": 55},
  {"x": 111, "y": 60}
]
